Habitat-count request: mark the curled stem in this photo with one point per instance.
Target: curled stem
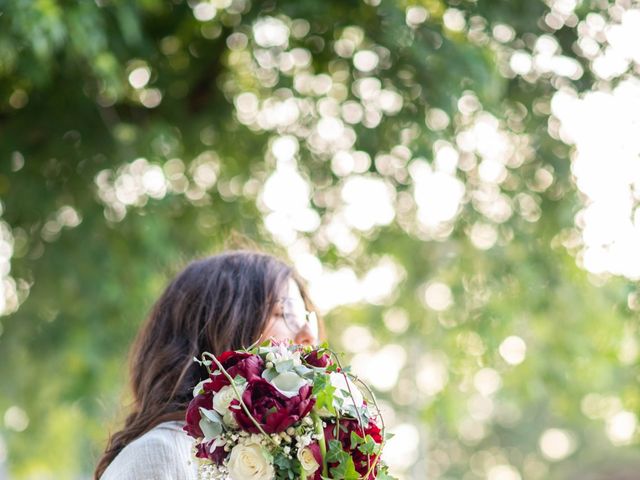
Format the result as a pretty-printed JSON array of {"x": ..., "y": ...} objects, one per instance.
[
  {"x": 346, "y": 376},
  {"x": 382, "y": 425},
  {"x": 360, "y": 422},
  {"x": 239, "y": 397}
]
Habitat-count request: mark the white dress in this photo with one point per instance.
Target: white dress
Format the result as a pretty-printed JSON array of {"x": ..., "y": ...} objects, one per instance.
[{"x": 163, "y": 453}]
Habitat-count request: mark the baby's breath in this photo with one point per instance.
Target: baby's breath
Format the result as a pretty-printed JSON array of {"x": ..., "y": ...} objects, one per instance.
[{"x": 209, "y": 471}]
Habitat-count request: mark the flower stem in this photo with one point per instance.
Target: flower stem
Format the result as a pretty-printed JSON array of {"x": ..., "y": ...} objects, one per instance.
[
  {"x": 376, "y": 459},
  {"x": 239, "y": 397},
  {"x": 357, "y": 407},
  {"x": 322, "y": 442}
]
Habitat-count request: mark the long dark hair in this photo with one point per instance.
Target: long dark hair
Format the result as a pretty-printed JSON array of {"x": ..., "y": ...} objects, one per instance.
[{"x": 222, "y": 302}]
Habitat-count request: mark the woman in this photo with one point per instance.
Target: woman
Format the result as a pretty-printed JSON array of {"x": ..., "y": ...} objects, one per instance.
[{"x": 223, "y": 302}]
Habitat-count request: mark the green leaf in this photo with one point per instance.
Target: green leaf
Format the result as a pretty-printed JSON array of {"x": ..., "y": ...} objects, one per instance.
[
  {"x": 383, "y": 474},
  {"x": 324, "y": 393},
  {"x": 355, "y": 440},
  {"x": 346, "y": 469},
  {"x": 332, "y": 368},
  {"x": 284, "y": 366},
  {"x": 210, "y": 423},
  {"x": 304, "y": 371},
  {"x": 269, "y": 374},
  {"x": 335, "y": 453},
  {"x": 369, "y": 446}
]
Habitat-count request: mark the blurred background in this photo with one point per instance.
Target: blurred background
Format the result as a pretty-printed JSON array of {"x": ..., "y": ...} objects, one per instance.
[{"x": 457, "y": 181}]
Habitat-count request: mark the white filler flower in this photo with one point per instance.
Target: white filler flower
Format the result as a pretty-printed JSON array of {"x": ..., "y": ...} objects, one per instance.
[{"x": 249, "y": 462}]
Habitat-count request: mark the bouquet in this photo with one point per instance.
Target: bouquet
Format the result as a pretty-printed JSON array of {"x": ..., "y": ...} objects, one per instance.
[{"x": 281, "y": 411}]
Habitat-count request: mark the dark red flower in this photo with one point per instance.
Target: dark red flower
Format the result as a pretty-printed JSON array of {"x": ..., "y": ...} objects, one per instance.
[
  {"x": 315, "y": 450},
  {"x": 192, "y": 418},
  {"x": 273, "y": 411},
  {"x": 247, "y": 365},
  {"x": 316, "y": 359},
  {"x": 217, "y": 456}
]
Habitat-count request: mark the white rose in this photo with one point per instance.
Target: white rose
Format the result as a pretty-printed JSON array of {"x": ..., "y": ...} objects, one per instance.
[
  {"x": 222, "y": 399},
  {"x": 307, "y": 460},
  {"x": 345, "y": 388},
  {"x": 249, "y": 462}
]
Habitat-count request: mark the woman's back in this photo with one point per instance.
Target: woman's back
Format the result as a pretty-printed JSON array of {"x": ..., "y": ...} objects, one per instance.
[{"x": 163, "y": 453}]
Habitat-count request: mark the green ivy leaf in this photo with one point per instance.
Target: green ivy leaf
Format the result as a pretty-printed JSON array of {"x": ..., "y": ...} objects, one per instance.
[
  {"x": 334, "y": 451},
  {"x": 323, "y": 391},
  {"x": 355, "y": 440},
  {"x": 383, "y": 473},
  {"x": 369, "y": 446},
  {"x": 346, "y": 469}
]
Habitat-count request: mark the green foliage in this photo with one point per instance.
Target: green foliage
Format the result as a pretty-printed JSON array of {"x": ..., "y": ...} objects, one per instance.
[
  {"x": 345, "y": 468},
  {"x": 284, "y": 466},
  {"x": 323, "y": 392}
]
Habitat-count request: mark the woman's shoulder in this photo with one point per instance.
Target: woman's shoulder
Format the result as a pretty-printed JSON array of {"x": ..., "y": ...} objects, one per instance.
[{"x": 164, "y": 452}]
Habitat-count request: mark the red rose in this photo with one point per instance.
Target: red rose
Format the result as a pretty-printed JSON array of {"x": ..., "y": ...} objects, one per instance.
[
  {"x": 204, "y": 400},
  {"x": 315, "y": 359},
  {"x": 247, "y": 365},
  {"x": 272, "y": 410}
]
